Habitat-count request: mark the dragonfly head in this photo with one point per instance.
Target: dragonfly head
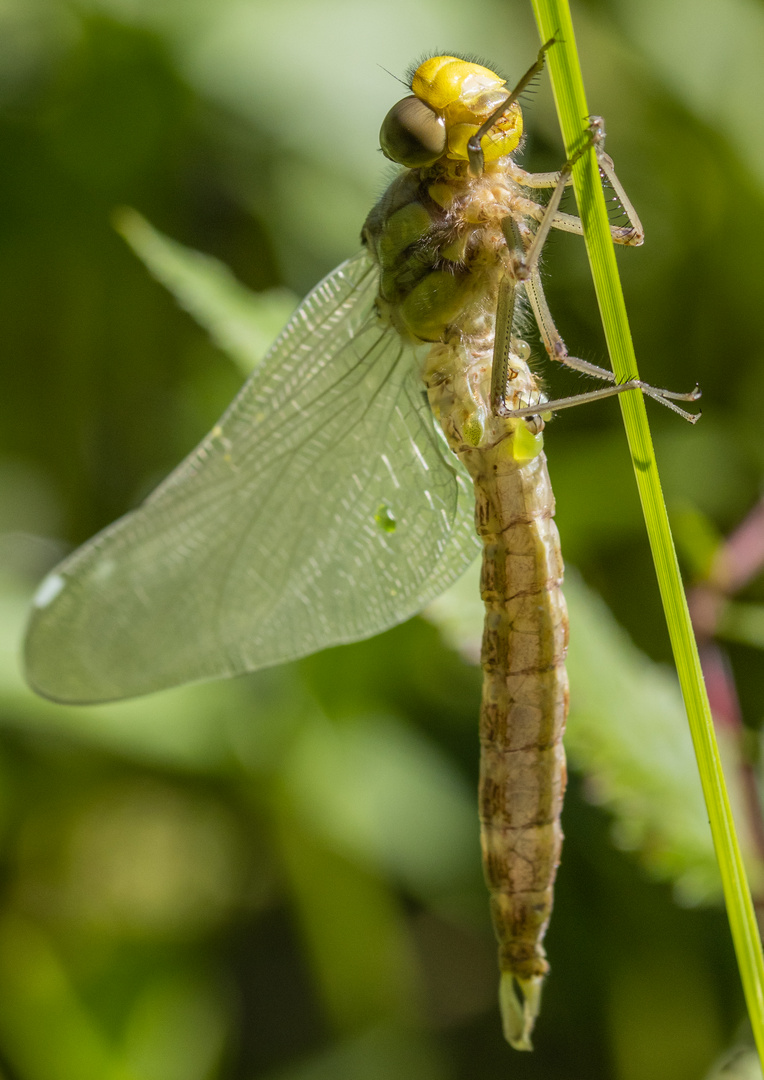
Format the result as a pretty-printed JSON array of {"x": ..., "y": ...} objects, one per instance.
[{"x": 451, "y": 100}]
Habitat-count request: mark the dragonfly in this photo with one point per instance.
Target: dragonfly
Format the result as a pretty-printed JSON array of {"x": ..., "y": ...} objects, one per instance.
[{"x": 393, "y": 431}]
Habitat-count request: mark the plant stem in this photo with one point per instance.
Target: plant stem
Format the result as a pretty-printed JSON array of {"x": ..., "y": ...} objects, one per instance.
[{"x": 554, "y": 20}]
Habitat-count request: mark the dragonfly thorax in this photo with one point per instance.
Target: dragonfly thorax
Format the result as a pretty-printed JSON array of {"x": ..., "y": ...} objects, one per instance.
[
  {"x": 437, "y": 240},
  {"x": 436, "y": 237}
]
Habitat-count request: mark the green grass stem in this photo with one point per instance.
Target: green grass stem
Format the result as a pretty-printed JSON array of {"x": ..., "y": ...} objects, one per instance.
[{"x": 554, "y": 20}]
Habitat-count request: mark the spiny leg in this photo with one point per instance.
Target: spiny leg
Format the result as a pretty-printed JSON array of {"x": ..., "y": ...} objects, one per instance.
[
  {"x": 626, "y": 235},
  {"x": 630, "y": 235},
  {"x": 527, "y": 262},
  {"x": 553, "y": 342},
  {"x": 662, "y": 396},
  {"x": 634, "y": 234},
  {"x": 525, "y": 248},
  {"x": 535, "y": 181},
  {"x": 557, "y": 350},
  {"x": 501, "y": 372}
]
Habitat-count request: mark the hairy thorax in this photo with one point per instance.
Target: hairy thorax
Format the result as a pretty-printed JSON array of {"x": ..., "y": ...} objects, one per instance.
[{"x": 436, "y": 236}]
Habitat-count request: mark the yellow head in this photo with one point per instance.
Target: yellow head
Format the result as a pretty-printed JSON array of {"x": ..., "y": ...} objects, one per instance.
[{"x": 451, "y": 100}]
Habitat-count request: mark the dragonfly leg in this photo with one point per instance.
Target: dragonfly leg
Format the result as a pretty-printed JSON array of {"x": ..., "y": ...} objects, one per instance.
[
  {"x": 558, "y": 350},
  {"x": 553, "y": 342},
  {"x": 474, "y": 149},
  {"x": 501, "y": 372},
  {"x": 631, "y": 234},
  {"x": 525, "y": 249},
  {"x": 535, "y": 181},
  {"x": 518, "y": 236},
  {"x": 663, "y": 396},
  {"x": 525, "y": 263}
]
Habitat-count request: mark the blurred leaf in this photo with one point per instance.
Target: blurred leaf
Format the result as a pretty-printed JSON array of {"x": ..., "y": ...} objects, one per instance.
[
  {"x": 743, "y": 623},
  {"x": 383, "y": 795},
  {"x": 701, "y": 465},
  {"x": 30, "y": 30},
  {"x": 697, "y": 538},
  {"x": 628, "y": 733},
  {"x": 711, "y": 55},
  {"x": 740, "y": 1063},
  {"x": 665, "y": 1018},
  {"x": 243, "y": 323},
  {"x": 176, "y": 1030},
  {"x": 383, "y": 1053},
  {"x": 46, "y": 1031},
  {"x": 354, "y": 930},
  {"x": 142, "y": 861}
]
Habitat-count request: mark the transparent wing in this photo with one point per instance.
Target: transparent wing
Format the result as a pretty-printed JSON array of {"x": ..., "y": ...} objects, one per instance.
[{"x": 323, "y": 508}]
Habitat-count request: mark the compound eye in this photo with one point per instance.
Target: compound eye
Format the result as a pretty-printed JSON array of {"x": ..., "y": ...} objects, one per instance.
[{"x": 412, "y": 134}]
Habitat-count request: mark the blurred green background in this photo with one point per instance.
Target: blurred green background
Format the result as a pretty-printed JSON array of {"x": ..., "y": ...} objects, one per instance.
[{"x": 278, "y": 877}]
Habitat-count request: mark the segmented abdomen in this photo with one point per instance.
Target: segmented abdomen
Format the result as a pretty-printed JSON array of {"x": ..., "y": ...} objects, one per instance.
[{"x": 524, "y": 706}]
